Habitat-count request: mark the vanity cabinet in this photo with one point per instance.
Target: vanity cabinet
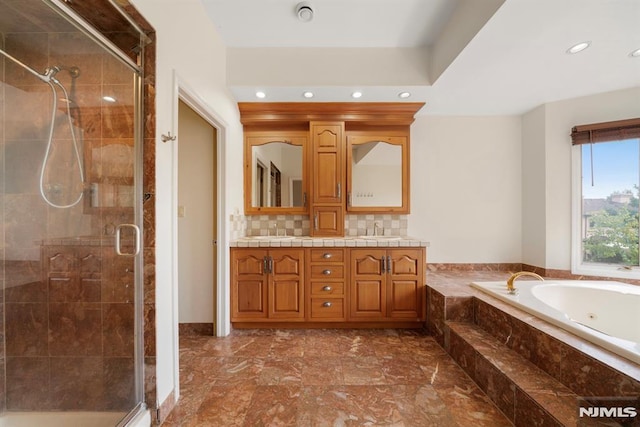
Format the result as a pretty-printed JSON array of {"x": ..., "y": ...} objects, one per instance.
[
  {"x": 366, "y": 287},
  {"x": 267, "y": 284},
  {"x": 387, "y": 284},
  {"x": 328, "y": 171}
]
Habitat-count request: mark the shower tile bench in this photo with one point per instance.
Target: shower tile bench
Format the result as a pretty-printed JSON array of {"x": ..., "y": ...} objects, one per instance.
[{"x": 533, "y": 371}]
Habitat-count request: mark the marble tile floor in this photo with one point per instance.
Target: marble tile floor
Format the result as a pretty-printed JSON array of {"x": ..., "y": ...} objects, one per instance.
[{"x": 328, "y": 377}]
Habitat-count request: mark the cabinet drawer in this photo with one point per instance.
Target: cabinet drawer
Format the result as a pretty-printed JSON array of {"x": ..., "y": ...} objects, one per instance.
[
  {"x": 327, "y": 288},
  {"x": 327, "y": 255},
  {"x": 327, "y": 308},
  {"x": 327, "y": 271}
]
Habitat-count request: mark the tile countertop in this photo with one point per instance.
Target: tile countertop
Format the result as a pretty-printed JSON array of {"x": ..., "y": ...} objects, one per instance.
[{"x": 312, "y": 242}]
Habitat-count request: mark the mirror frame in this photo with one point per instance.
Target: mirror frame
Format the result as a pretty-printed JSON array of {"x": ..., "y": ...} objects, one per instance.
[
  {"x": 395, "y": 138},
  {"x": 252, "y": 139}
]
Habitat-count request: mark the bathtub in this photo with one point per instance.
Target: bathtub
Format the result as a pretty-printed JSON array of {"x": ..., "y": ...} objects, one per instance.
[{"x": 605, "y": 313}]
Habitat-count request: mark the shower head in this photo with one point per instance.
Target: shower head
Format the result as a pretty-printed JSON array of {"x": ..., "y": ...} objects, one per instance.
[{"x": 50, "y": 74}]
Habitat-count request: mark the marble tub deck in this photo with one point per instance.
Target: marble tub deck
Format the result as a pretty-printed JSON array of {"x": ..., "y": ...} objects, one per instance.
[
  {"x": 325, "y": 377},
  {"x": 453, "y": 286}
]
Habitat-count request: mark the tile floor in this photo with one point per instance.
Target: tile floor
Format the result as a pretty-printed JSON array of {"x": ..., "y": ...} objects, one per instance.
[{"x": 325, "y": 378}]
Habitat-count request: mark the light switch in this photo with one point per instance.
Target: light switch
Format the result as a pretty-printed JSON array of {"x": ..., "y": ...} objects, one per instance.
[{"x": 181, "y": 212}]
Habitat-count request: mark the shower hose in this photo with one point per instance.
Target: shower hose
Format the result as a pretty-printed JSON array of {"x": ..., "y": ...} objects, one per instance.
[
  {"x": 49, "y": 78},
  {"x": 53, "y": 81}
]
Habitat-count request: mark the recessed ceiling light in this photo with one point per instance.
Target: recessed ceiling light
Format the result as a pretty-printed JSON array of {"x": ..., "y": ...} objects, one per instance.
[
  {"x": 260, "y": 94},
  {"x": 404, "y": 95},
  {"x": 356, "y": 94},
  {"x": 308, "y": 94},
  {"x": 109, "y": 98},
  {"x": 635, "y": 53},
  {"x": 578, "y": 47}
]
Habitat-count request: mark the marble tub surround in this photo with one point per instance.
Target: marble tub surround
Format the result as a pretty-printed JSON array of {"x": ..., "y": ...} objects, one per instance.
[
  {"x": 325, "y": 377},
  {"x": 488, "y": 338}
]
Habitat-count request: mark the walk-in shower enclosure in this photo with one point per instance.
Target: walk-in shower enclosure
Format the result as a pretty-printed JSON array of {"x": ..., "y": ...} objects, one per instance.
[{"x": 70, "y": 206}]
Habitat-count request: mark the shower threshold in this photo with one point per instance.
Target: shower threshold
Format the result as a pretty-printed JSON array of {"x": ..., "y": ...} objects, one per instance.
[{"x": 60, "y": 419}]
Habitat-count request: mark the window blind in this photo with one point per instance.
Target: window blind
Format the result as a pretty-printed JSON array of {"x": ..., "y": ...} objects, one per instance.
[{"x": 606, "y": 131}]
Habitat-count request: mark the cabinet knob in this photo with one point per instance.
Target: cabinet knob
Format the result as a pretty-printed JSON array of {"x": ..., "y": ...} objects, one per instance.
[
  {"x": 326, "y": 288},
  {"x": 326, "y": 272},
  {"x": 326, "y": 304},
  {"x": 326, "y": 256}
]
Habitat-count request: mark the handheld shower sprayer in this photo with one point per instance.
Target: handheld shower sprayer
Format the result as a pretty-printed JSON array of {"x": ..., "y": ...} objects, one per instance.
[{"x": 49, "y": 77}]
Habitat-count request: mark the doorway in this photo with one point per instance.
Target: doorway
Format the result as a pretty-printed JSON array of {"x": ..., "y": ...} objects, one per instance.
[{"x": 197, "y": 219}]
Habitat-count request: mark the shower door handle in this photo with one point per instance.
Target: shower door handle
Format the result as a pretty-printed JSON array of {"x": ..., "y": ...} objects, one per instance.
[{"x": 136, "y": 234}]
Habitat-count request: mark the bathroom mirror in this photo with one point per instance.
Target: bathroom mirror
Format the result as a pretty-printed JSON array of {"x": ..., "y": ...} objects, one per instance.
[
  {"x": 275, "y": 170},
  {"x": 377, "y": 174}
]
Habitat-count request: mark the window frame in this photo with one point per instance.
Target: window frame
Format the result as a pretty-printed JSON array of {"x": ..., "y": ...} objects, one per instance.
[{"x": 583, "y": 135}]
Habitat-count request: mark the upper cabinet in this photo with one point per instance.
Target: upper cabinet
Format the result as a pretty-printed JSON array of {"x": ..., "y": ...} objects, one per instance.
[
  {"x": 275, "y": 172},
  {"x": 327, "y": 169},
  {"x": 377, "y": 172},
  {"x": 326, "y": 159}
]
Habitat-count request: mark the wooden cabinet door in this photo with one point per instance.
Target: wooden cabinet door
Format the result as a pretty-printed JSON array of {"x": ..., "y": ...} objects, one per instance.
[
  {"x": 286, "y": 284},
  {"x": 405, "y": 284},
  {"x": 368, "y": 285},
  {"x": 248, "y": 284},
  {"x": 328, "y": 170},
  {"x": 327, "y": 221}
]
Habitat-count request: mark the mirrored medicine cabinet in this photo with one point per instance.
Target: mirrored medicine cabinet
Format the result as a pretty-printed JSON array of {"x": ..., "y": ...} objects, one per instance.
[
  {"x": 364, "y": 170},
  {"x": 377, "y": 174},
  {"x": 275, "y": 173}
]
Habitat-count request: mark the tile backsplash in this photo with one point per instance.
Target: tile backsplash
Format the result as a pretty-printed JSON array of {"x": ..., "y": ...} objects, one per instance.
[
  {"x": 290, "y": 225},
  {"x": 361, "y": 225},
  {"x": 300, "y": 225}
]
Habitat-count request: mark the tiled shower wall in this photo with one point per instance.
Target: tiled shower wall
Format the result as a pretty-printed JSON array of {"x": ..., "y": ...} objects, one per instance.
[
  {"x": 62, "y": 350},
  {"x": 300, "y": 225}
]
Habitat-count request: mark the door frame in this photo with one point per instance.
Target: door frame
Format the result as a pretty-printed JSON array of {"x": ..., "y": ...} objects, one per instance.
[{"x": 182, "y": 92}]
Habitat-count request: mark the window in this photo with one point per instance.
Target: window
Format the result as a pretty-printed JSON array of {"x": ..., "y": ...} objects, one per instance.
[{"x": 606, "y": 188}]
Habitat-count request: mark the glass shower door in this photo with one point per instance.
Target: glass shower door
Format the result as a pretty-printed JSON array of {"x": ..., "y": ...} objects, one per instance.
[{"x": 70, "y": 204}]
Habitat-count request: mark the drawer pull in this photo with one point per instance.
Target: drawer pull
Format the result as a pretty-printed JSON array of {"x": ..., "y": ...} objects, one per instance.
[
  {"x": 326, "y": 256},
  {"x": 326, "y": 288},
  {"x": 326, "y": 272},
  {"x": 326, "y": 304}
]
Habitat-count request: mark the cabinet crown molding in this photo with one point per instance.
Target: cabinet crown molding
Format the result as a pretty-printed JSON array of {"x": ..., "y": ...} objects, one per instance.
[{"x": 357, "y": 113}]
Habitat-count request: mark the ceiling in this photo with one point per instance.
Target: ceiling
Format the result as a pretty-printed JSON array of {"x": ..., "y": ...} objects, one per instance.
[{"x": 508, "y": 61}]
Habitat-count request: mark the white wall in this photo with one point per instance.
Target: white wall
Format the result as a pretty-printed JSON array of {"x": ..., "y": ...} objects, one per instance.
[
  {"x": 195, "y": 229},
  {"x": 317, "y": 66},
  {"x": 559, "y": 118},
  {"x": 187, "y": 44},
  {"x": 534, "y": 188},
  {"x": 465, "y": 188}
]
